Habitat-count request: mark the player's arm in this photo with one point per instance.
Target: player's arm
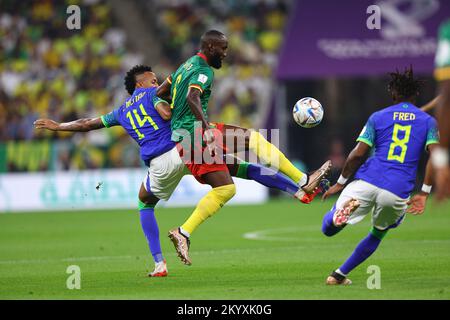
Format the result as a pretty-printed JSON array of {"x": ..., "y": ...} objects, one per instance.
[
  {"x": 163, "y": 109},
  {"x": 163, "y": 91},
  {"x": 80, "y": 125},
  {"x": 194, "y": 102},
  {"x": 354, "y": 160},
  {"x": 432, "y": 104},
  {"x": 418, "y": 201}
]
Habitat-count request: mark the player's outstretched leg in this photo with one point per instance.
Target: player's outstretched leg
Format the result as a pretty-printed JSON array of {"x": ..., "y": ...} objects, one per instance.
[
  {"x": 147, "y": 202},
  {"x": 271, "y": 155},
  {"x": 336, "y": 219},
  {"x": 362, "y": 252},
  {"x": 223, "y": 190},
  {"x": 268, "y": 178}
]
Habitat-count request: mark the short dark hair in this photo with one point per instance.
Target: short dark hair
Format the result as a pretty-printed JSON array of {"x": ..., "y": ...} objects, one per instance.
[
  {"x": 130, "y": 78},
  {"x": 404, "y": 84}
]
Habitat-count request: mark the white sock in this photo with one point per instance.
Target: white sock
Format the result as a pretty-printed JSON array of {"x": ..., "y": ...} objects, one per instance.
[
  {"x": 341, "y": 273},
  {"x": 303, "y": 180},
  {"x": 184, "y": 232}
]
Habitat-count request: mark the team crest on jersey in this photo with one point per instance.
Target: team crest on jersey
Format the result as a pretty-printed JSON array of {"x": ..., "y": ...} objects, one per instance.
[{"x": 202, "y": 78}]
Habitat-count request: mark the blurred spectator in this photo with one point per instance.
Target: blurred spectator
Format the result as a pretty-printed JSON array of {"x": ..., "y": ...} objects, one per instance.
[{"x": 47, "y": 70}]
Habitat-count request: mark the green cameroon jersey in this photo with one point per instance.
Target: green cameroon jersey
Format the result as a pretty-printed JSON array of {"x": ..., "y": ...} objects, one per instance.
[
  {"x": 195, "y": 73},
  {"x": 442, "y": 62}
]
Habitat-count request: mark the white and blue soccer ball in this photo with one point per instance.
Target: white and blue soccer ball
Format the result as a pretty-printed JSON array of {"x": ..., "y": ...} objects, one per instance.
[{"x": 308, "y": 112}]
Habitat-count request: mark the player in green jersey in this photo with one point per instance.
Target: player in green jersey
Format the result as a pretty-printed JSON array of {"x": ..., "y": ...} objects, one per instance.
[{"x": 190, "y": 89}]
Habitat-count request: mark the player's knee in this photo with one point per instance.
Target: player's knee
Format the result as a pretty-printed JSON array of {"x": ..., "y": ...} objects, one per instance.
[
  {"x": 326, "y": 231},
  {"x": 225, "y": 193},
  {"x": 147, "y": 200}
]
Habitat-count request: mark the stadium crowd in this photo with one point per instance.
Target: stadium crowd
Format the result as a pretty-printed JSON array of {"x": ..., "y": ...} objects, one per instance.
[{"x": 47, "y": 70}]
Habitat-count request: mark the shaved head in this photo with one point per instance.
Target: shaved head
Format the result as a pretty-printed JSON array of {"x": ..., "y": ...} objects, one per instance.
[
  {"x": 211, "y": 37},
  {"x": 214, "y": 45}
]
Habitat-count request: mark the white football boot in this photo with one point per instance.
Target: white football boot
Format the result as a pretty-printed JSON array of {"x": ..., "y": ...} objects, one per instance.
[{"x": 160, "y": 270}]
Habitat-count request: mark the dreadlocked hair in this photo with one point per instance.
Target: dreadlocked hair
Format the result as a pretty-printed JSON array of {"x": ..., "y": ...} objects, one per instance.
[
  {"x": 404, "y": 84},
  {"x": 130, "y": 78}
]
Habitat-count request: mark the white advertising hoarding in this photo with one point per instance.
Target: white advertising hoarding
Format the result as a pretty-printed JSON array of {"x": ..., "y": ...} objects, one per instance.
[{"x": 102, "y": 189}]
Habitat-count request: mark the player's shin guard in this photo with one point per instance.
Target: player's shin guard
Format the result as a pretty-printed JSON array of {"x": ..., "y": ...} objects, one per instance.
[
  {"x": 272, "y": 156},
  {"x": 151, "y": 230},
  {"x": 266, "y": 177},
  {"x": 363, "y": 251},
  {"x": 209, "y": 205},
  {"x": 328, "y": 228}
]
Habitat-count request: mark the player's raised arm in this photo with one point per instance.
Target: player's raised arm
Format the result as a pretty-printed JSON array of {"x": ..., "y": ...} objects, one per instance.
[{"x": 80, "y": 125}]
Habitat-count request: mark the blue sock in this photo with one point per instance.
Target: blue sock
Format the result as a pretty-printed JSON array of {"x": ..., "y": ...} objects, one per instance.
[
  {"x": 328, "y": 228},
  {"x": 363, "y": 251},
  {"x": 151, "y": 231},
  {"x": 266, "y": 177}
]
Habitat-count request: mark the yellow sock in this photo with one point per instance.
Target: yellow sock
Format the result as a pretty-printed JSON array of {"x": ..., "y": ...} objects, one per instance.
[
  {"x": 272, "y": 156},
  {"x": 209, "y": 205}
]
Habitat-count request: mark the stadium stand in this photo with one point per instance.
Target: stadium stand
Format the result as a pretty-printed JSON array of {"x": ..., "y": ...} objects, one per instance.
[{"x": 47, "y": 70}]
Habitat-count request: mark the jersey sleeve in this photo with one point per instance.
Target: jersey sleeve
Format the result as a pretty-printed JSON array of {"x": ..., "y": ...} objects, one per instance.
[
  {"x": 432, "y": 132},
  {"x": 169, "y": 78},
  {"x": 367, "y": 134},
  {"x": 111, "y": 119},
  {"x": 442, "y": 60},
  {"x": 156, "y": 100},
  {"x": 201, "y": 79}
]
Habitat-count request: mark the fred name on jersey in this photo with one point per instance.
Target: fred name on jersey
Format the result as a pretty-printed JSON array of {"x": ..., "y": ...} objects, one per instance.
[
  {"x": 404, "y": 116},
  {"x": 135, "y": 99}
]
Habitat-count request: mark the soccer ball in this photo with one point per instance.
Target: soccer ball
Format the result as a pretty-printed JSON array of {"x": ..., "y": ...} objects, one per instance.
[{"x": 307, "y": 112}]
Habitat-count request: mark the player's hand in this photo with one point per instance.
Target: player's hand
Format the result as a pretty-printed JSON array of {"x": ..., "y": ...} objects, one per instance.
[
  {"x": 210, "y": 142},
  {"x": 46, "y": 124},
  {"x": 417, "y": 203},
  {"x": 442, "y": 183},
  {"x": 336, "y": 188}
]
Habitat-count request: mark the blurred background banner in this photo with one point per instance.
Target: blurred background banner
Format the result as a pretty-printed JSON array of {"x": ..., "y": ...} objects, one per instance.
[
  {"x": 334, "y": 40},
  {"x": 102, "y": 189}
]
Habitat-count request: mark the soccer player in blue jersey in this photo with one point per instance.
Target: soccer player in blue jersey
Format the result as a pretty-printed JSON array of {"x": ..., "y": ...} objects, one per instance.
[
  {"x": 397, "y": 135},
  {"x": 146, "y": 117}
]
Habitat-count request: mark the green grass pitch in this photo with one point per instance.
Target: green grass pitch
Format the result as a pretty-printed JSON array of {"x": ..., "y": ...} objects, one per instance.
[{"x": 288, "y": 257}]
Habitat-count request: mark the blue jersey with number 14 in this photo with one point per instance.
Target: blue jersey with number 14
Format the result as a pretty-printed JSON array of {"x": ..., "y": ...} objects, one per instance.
[
  {"x": 399, "y": 135},
  {"x": 139, "y": 117}
]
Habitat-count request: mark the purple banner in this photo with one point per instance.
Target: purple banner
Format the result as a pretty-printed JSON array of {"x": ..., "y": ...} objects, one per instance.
[{"x": 360, "y": 37}]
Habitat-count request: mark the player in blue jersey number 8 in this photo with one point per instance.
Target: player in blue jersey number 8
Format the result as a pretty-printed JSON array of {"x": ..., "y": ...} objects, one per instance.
[{"x": 383, "y": 183}]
